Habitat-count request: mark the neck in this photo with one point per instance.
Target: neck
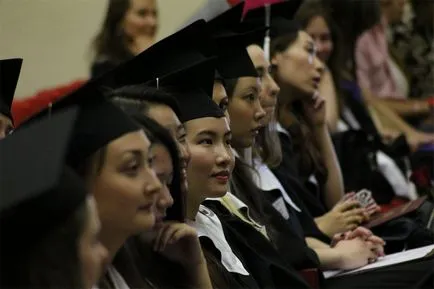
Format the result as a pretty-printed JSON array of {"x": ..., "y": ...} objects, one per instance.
[
  {"x": 113, "y": 241},
  {"x": 193, "y": 205}
]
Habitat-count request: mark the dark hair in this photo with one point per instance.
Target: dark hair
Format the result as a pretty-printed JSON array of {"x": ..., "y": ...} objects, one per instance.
[
  {"x": 139, "y": 98},
  {"x": 353, "y": 17},
  {"x": 267, "y": 145},
  {"x": 135, "y": 261},
  {"x": 310, "y": 10},
  {"x": 163, "y": 137},
  {"x": 52, "y": 262},
  {"x": 111, "y": 41},
  {"x": 303, "y": 140}
]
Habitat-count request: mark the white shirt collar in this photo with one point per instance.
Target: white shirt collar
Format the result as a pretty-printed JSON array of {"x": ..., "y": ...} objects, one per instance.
[
  {"x": 280, "y": 128},
  {"x": 208, "y": 225}
]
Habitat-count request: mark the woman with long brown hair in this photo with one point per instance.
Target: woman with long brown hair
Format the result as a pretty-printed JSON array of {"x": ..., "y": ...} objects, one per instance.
[{"x": 129, "y": 27}]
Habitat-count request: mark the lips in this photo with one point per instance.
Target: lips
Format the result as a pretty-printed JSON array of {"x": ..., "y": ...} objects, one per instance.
[
  {"x": 146, "y": 207},
  {"x": 222, "y": 176},
  {"x": 316, "y": 81}
]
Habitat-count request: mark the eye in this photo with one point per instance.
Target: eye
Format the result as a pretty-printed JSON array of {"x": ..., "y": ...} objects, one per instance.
[
  {"x": 205, "y": 141},
  {"x": 224, "y": 104},
  {"x": 182, "y": 137},
  {"x": 132, "y": 168},
  {"x": 251, "y": 97}
]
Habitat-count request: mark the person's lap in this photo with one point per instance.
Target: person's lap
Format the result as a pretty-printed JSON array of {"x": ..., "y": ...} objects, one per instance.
[{"x": 405, "y": 275}]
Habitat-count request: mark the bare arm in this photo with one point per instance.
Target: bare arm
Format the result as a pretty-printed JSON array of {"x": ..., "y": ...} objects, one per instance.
[
  {"x": 328, "y": 91},
  {"x": 334, "y": 186},
  {"x": 198, "y": 276}
]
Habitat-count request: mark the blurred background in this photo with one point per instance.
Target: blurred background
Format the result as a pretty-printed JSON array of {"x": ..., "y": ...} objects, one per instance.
[{"x": 54, "y": 36}]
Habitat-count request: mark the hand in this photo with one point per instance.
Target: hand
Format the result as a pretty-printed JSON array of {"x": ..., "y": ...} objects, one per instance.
[
  {"x": 179, "y": 243},
  {"x": 314, "y": 110},
  {"x": 356, "y": 253},
  {"x": 371, "y": 209},
  {"x": 345, "y": 216},
  {"x": 365, "y": 235}
]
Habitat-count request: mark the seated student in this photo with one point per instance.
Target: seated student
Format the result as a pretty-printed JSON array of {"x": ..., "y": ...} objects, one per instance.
[
  {"x": 237, "y": 112},
  {"x": 10, "y": 72},
  {"x": 44, "y": 200},
  {"x": 110, "y": 152},
  {"x": 147, "y": 249}
]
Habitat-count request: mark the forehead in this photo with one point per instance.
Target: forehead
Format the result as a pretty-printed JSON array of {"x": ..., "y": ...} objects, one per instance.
[
  {"x": 317, "y": 25},
  {"x": 209, "y": 124},
  {"x": 164, "y": 115},
  {"x": 257, "y": 55},
  {"x": 133, "y": 141}
]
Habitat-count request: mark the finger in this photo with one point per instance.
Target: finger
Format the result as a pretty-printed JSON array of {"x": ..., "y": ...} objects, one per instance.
[
  {"x": 357, "y": 220},
  {"x": 348, "y": 196},
  {"x": 160, "y": 234},
  {"x": 167, "y": 236},
  {"x": 362, "y": 232},
  {"x": 376, "y": 240},
  {"x": 349, "y": 204},
  {"x": 354, "y": 212}
]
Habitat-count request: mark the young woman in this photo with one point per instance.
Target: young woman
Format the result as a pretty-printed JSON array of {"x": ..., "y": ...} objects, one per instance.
[
  {"x": 130, "y": 26},
  {"x": 8, "y": 82},
  {"x": 111, "y": 152},
  {"x": 348, "y": 245},
  {"x": 171, "y": 244},
  {"x": 54, "y": 209}
]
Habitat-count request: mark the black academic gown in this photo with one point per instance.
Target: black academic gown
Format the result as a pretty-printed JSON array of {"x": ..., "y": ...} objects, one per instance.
[
  {"x": 220, "y": 277},
  {"x": 265, "y": 264}
]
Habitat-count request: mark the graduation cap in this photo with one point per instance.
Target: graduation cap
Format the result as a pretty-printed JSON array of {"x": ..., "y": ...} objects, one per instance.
[
  {"x": 277, "y": 17},
  {"x": 173, "y": 52},
  {"x": 9, "y": 74},
  {"x": 193, "y": 86},
  {"x": 98, "y": 123},
  {"x": 285, "y": 9},
  {"x": 230, "y": 46},
  {"x": 37, "y": 192}
]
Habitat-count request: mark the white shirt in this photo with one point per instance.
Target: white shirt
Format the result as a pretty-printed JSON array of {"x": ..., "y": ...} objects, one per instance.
[{"x": 208, "y": 225}]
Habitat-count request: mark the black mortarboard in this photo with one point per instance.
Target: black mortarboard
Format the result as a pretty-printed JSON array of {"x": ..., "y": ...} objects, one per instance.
[
  {"x": 99, "y": 122},
  {"x": 281, "y": 21},
  {"x": 9, "y": 74},
  {"x": 230, "y": 46},
  {"x": 193, "y": 86},
  {"x": 173, "y": 52},
  {"x": 37, "y": 192},
  {"x": 285, "y": 9}
]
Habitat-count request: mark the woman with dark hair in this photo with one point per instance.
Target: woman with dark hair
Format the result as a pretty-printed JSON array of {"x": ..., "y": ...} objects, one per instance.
[
  {"x": 111, "y": 153},
  {"x": 129, "y": 27},
  {"x": 44, "y": 199},
  {"x": 151, "y": 254}
]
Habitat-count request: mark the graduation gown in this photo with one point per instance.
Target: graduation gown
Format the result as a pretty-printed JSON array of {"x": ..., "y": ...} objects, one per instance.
[
  {"x": 263, "y": 261},
  {"x": 226, "y": 265}
]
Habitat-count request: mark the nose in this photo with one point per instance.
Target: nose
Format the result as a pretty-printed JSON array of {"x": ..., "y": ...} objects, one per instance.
[
  {"x": 165, "y": 199},
  {"x": 185, "y": 152},
  {"x": 259, "y": 111},
  {"x": 273, "y": 88},
  {"x": 153, "y": 184},
  {"x": 319, "y": 65},
  {"x": 224, "y": 156}
]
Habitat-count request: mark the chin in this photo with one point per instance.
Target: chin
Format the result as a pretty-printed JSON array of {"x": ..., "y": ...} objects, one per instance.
[{"x": 145, "y": 222}]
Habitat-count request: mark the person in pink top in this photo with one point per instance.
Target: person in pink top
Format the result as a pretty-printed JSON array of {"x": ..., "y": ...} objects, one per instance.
[{"x": 364, "y": 27}]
